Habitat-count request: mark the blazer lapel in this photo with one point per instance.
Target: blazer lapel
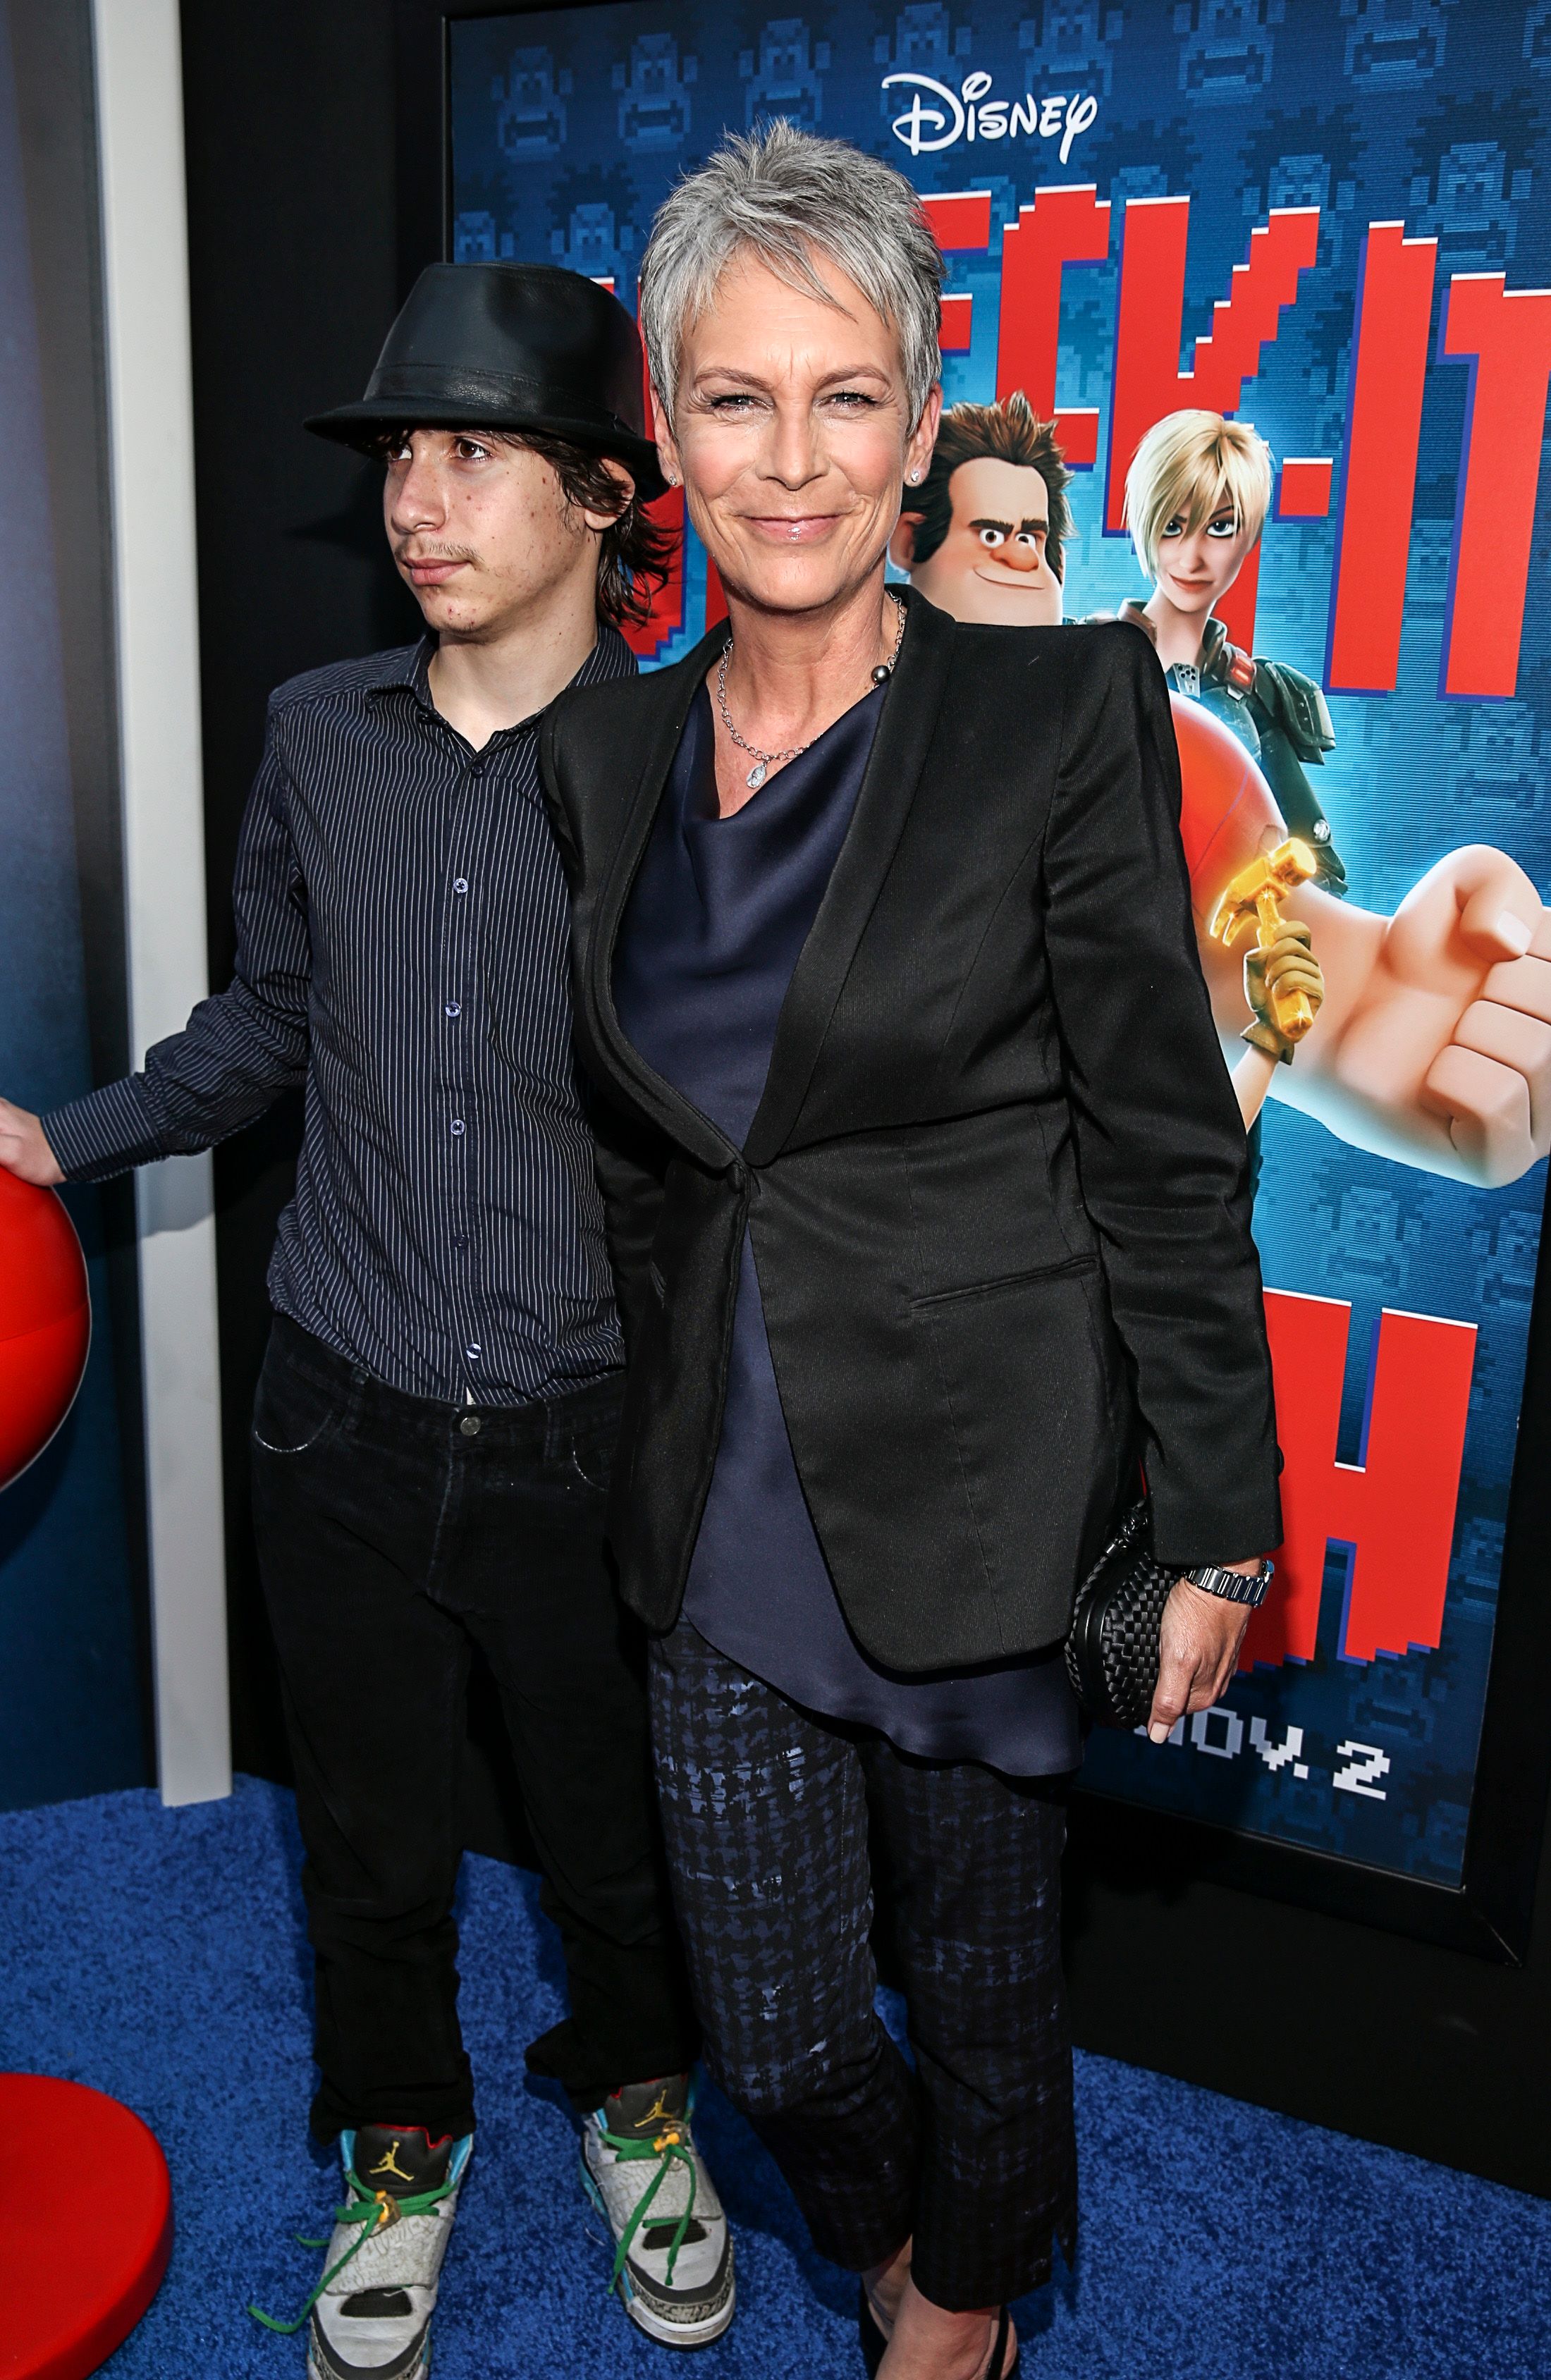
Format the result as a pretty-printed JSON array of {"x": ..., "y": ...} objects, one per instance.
[
  {"x": 888, "y": 789},
  {"x": 677, "y": 1116}
]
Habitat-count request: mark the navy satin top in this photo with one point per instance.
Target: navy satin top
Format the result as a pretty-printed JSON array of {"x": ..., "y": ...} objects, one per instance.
[{"x": 716, "y": 920}]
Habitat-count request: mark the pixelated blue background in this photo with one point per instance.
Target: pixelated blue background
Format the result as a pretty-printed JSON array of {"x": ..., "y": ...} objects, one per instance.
[
  {"x": 69, "y": 1649},
  {"x": 569, "y": 127}
]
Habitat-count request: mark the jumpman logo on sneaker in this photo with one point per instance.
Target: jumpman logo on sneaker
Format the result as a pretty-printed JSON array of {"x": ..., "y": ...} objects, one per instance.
[{"x": 390, "y": 2165}]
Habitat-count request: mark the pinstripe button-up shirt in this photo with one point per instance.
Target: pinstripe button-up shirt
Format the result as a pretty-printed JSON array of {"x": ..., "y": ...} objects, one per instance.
[{"x": 402, "y": 954}]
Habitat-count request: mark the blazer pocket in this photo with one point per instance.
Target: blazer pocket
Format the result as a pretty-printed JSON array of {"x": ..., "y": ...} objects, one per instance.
[
  {"x": 1062, "y": 1269},
  {"x": 1017, "y": 1367}
]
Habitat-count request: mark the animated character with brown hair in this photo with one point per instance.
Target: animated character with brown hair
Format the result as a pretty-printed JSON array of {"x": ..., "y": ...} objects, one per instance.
[
  {"x": 983, "y": 535},
  {"x": 1432, "y": 1045}
]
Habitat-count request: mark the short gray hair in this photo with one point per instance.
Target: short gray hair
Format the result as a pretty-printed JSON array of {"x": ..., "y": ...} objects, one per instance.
[{"x": 787, "y": 197}]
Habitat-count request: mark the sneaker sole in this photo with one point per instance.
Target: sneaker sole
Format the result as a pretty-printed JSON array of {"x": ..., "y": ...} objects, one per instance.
[
  {"x": 658, "y": 2327},
  {"x": 318, "y": 2370}
]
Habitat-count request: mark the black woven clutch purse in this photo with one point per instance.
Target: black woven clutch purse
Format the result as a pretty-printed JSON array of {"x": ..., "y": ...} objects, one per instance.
[{"x": 1112, "y": 1650}]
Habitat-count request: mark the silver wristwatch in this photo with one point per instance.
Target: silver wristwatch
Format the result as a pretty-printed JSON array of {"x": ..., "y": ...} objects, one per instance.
[{"x": 1229, "y": 1585}]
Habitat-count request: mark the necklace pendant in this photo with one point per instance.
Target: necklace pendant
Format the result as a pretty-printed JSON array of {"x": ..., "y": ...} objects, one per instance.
[{"x": 756, "y": 775}]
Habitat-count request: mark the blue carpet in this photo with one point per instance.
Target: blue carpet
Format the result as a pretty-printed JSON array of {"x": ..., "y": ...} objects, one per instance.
[{"x": 159, "y": 1955}]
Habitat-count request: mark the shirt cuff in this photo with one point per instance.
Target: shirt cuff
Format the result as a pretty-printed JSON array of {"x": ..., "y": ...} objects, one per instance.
[{"x": 103, "y": 1134}]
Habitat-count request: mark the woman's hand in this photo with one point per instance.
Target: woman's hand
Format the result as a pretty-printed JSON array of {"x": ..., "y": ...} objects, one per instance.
[
  {"x": 24, "y": 1148},
  {"x": 1198, "y": 1650}
]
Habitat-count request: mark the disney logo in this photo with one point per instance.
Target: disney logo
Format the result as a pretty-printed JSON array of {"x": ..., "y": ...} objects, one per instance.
[{"x": 945, "y": 117}]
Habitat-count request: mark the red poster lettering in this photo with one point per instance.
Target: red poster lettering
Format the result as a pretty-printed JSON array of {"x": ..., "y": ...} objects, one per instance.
[
  {"x": 1394, "y": 1508},
  {"x": 1304, "y": 487},
  {"x": 666, "y": 616},
  {"x": 648, "y": 637},
  {"x": 1062, "y": 226},
  {"x": 1378, "y": 479},
  {"x": 960, "y": 219},
  {"x": 1507, "y": 335},
  {"x": 958, "y": 314},
  {"x": 716, "y": 602},
  {"x": 1150, "y": 322},
  {"x": 1236, "y": 609}
]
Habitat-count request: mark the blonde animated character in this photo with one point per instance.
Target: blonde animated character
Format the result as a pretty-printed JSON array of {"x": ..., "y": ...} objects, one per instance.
[
  {"x": 1196, "y": 496},
  {"x": 1432, "y": 1044}
]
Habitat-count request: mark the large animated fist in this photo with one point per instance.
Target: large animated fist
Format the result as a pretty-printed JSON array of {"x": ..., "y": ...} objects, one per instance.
[{"x": 1436, "y": 1045}]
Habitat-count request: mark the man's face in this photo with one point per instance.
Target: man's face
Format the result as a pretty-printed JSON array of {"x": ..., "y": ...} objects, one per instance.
[
  {"x": 481, "y": 533},
  {"x": 992, "y": 565}
]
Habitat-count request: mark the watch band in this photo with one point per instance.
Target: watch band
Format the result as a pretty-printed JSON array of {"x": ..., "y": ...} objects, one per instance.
[{"x": 1230, "y": 1586}]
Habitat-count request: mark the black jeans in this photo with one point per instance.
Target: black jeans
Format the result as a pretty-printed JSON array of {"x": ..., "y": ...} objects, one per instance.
[
  {"x": 766, "y": 1809},
  {"x": 393, "y": 1533}
]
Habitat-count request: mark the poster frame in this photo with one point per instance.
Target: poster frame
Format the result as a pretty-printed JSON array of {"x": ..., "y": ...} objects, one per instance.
[{"x": 1489, "y": 1913}]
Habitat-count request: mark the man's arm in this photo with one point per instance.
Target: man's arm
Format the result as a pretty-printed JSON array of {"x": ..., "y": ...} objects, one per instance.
[
  {"x": 238, "y": 1051},
  {"x": 1434, "y": 1044}
]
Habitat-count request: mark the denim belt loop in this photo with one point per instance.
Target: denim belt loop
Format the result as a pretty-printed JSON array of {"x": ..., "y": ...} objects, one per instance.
[{"x": 558, "y": 1436}]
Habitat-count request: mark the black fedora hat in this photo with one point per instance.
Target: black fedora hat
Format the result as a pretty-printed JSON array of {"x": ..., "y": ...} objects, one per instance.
[{"x": 509, "y": 346}]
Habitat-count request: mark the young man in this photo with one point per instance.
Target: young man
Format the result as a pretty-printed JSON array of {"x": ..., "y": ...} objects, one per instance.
[
  {"x": 1432, "y": 1045},
  {"x": 435, "y": 1419}
]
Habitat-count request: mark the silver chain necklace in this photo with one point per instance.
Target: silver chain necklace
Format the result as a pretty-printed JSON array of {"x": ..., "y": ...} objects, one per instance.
[{"x": 764, "y": 761}]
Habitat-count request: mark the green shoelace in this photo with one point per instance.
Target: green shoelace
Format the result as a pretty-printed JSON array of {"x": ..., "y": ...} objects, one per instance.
[
  {"x": 370, "y": 2210},
  {"x": 670, "y": 2150}
]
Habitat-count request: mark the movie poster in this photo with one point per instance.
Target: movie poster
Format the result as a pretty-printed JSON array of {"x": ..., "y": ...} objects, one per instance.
[{"x": 1329, "y": 221}]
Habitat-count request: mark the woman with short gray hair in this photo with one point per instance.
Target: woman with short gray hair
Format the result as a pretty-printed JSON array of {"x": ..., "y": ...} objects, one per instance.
[{"x": 926, "y": 1196}]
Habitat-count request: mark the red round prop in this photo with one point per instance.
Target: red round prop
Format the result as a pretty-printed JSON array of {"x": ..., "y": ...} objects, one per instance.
[
  {"x": 45, "y": 1321},
  {"x": 1228, "y": 812},
  {"x": 86, "y": 2214}
]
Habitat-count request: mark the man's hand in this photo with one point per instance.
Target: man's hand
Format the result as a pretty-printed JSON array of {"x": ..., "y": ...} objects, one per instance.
[
  {"x": 1199, "y": 1651},
  {"x": 24, "y": 1150},
  {"x": 1434, "y": 1044}
]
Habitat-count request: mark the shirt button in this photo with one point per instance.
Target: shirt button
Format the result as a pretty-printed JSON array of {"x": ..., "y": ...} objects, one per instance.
[
  {"x": 474, "y": 1352},
  {"x": 469, "y": 1425},
  {"x": 460, "y": 1239},
  {"x": 455, "y": 1008},
  {"x": 457, "y": 1127},
  {"x": 460, "y": 883}
]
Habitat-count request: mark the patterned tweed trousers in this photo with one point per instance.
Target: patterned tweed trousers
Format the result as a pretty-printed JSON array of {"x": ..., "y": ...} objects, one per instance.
[{"x": 765, "y": 1810}]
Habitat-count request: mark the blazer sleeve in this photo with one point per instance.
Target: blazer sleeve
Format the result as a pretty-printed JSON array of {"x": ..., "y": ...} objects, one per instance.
[
  {"x": 631, "y": 1161},
  {"x": 1161, "y": 1146},
  {"x": 629, "y": 1156}
]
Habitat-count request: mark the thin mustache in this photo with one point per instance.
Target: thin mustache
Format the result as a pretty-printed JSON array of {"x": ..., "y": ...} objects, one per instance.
[{"x": 439, "y": 554}]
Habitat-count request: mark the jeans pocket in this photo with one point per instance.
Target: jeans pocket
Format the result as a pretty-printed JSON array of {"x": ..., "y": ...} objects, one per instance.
[
  {"x": 295, "y": 1411},
  {"x": 594, "y": 1437}
]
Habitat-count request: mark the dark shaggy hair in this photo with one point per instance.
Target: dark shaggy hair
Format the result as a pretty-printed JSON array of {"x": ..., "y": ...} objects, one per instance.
[
  {"x": 635, "y": 551},
  {"x": 1008, "y": 433}
]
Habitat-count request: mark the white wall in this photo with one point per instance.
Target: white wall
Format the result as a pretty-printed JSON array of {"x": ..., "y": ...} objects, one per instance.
[{"x": 140, "y": 106}]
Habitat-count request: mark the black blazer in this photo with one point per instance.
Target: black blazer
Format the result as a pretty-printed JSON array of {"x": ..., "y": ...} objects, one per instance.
[{"x": 997, "y": 1184}]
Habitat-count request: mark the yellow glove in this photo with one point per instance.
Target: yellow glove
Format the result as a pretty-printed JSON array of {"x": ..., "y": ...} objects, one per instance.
[{"x": 1289, "y": 966}]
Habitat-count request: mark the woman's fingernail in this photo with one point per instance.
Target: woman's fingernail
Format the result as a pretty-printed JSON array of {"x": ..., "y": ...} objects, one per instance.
[
  {"x": 1513, "y": 931},
  {"x": 1158, "y": 1732}
]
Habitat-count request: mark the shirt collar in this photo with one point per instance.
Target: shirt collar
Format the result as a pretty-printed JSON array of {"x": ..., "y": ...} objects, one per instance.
[{"x": 611, "y": 657}]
